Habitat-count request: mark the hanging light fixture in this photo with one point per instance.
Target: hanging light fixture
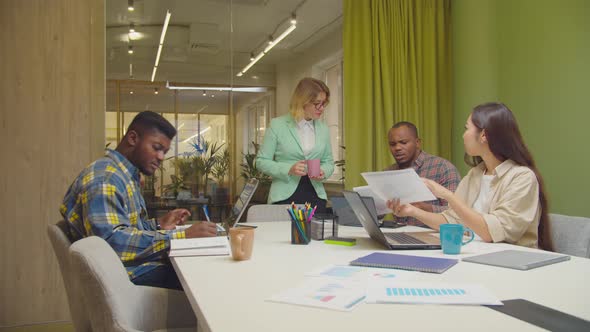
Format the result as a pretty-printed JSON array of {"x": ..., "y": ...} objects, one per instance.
[
  {"x": 272, "y": 42},
  {"x": 162, "y": 36}
]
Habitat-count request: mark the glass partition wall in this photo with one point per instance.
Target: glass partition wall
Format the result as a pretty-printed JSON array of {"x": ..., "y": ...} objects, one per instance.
[
  {"x": 202, "y": 123},
  {"x": 219, "y": 73}
]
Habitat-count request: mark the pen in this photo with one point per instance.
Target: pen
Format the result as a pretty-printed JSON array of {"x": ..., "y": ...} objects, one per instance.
[
  {"x": 312, "y": 213},
  {"x": 206, "y": 213}
]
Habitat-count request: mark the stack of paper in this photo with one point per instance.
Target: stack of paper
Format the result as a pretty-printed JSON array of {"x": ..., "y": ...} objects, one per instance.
[
  {"x": 205, "y": 246},
  {"x": 404, "y": 184},
  {"x": 380, "y": 204}
]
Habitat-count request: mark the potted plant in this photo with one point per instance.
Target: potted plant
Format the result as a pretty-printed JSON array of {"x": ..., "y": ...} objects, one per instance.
[{"x": 219, "y": 171}]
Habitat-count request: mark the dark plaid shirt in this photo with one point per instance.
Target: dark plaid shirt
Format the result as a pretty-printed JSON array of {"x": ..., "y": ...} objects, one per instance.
[{"x": 436, "y": 169}]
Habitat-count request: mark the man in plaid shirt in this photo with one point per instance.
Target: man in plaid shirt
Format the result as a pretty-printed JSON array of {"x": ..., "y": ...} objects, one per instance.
[
  {"x": 404, "y": 145},
  {"x": 105, "y": 200}
]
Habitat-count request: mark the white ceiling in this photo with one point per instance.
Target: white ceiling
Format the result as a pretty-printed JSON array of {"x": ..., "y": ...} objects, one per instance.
[{"x": 199, "y": 44}]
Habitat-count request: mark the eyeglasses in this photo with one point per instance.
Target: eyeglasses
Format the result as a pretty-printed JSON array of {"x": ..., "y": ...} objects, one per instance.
[{"x": 320, "y": 104}]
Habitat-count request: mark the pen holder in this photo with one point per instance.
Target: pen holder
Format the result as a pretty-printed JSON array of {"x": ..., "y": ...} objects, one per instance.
[
  {"x": 300, "y": 232},
  {"x": 324, "y": 226}
]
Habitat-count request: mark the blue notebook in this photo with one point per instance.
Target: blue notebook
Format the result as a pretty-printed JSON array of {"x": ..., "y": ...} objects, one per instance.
[{"x": 405, "y": 262}]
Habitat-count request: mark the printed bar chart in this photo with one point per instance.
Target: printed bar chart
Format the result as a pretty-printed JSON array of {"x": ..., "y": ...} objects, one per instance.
[
  {"x": 423, "y": 291},
  {"x": 381, "y": 290}
]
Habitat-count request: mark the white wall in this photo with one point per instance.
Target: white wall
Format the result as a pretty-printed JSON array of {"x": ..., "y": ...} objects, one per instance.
[{"x": 303, "y": 64}]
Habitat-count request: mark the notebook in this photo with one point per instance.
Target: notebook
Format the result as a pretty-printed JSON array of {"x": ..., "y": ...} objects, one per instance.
[
  {"x": 517, "y": 259},
  {"x": 390, "y": 240},
  {"x": 405, "y": 262},
  {"x": 203, "y": 246}
]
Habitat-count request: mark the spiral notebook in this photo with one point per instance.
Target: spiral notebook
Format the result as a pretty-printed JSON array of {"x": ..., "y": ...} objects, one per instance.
[{"x": 405, "y": 262}]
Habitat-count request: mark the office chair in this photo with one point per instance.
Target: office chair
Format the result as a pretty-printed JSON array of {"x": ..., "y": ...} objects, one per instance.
[
  {"x": 570, "y": 235},
  {"x": 268, "y": 212},
  {"x": 114, "y": 303},
  {"x": 61, "y": 243}
]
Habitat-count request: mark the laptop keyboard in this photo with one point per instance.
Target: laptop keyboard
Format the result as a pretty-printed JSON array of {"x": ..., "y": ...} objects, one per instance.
[{"x": 403, "y": 238}]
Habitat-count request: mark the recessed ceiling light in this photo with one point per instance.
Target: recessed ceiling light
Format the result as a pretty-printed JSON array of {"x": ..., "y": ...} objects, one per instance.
[
  {"x": 130, "y": 92},
  {"x": 130, "y": 49},
  {"x": 131, "y": 28},
  {"x": 155, "y": 91},
  {"x": 130, "y": 5}
]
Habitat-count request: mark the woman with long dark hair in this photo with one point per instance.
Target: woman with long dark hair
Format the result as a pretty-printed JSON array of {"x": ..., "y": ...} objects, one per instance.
[{"x": 502, "y": 198}]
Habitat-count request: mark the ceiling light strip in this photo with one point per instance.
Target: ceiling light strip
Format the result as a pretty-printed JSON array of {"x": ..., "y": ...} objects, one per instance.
[
  {"x": 268, "y": 48},
  {"x": 219, "y": 88},
  {"x": 281, "y": 37},
  {"x": 162, "y": 37}
]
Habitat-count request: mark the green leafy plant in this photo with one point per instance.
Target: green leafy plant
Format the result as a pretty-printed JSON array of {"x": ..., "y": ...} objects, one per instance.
[
  {"x": 175, "y": 186},
  {"x": 195, "y": 167},
  {"x": 249, "y": 169},
  {"x": 221, "y": 167}
]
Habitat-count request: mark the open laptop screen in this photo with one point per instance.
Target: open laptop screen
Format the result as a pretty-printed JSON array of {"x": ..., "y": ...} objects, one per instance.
[{"x": 242, "y": 201}]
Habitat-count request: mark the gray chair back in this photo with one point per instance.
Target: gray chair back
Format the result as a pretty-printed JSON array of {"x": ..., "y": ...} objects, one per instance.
[
  {"x": 61, "y": 243},
  {"x": 570, "y": 235},
  {"x": 115, "y": 302},
  {"x": 268, "y": 212}
]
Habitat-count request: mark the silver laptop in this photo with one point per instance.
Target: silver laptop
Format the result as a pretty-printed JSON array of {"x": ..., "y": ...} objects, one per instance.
[
  {"x": 517, "y": 259},
  {"x": 398, "y": 240},
  {"x": 237, "y": 210},
  {"x": 242, "y": 202},
  {"x": 346, "y": 216}
]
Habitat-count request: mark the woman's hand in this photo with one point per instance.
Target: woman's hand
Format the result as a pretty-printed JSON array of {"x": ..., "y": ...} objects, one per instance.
[
  {"x": 173, "y": 218},
  {"x": 401, "y": 210},
  {"x": 438, "y": 190},
  {"x": 298, "y": 168},
  {"x": 318, "y": 178}
]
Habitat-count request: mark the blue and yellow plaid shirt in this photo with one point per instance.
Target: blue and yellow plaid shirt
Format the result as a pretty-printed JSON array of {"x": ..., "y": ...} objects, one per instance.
[{"x": 105, "y": 200}]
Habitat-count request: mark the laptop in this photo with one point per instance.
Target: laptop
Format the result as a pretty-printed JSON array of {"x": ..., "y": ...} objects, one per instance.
[
  {"x": 346, "y": 216},
  {"x": 242, "y": 202},
  {"x": 517, "y": 259},
  {"x": 393, "y": 241},
  {"x": 238, "y": 209}
]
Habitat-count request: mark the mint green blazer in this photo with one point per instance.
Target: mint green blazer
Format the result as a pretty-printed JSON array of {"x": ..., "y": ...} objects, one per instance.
[{"x": 281, "y": 148}]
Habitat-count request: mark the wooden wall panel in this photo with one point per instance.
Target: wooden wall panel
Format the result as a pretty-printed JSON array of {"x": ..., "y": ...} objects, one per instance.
[{"x": 52, "y": 76}]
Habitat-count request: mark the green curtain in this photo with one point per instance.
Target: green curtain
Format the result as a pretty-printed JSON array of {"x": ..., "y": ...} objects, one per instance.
[{"x": 397, "y": 67}]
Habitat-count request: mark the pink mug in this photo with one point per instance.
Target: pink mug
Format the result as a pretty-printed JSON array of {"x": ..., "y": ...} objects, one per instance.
[{"x": 313, "y": 167}]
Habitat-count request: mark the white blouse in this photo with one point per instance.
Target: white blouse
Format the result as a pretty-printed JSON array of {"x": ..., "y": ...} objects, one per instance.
[
  {"x": 482, "y": 203},
  {"x": 306, "y": 132}
]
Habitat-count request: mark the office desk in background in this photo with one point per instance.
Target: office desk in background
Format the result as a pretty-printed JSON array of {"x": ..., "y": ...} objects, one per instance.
[{"x": 230, "y": 296}]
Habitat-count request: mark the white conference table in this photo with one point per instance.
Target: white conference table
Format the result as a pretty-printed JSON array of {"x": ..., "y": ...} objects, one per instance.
[{"x": 228, "y": 295}]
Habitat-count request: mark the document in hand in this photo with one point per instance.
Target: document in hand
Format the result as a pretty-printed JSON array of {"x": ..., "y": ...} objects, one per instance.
[
  {"x": 403, "y": 184},
  {"x": 380, "y": 204},
  {"x": 204, "y": 246}
]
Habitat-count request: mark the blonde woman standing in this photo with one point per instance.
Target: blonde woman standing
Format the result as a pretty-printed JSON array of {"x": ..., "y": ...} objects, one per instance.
[{"x": 294, "y": 138}]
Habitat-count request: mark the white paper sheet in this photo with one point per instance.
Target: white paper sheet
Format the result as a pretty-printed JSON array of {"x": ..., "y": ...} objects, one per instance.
[
  {"x": 380, "y": 204},
  {"x": 381, "y": 290},
  {"x": 403, "y": 184},
  {"x": 204, "y": 246},
  {"x": 359, "y": 273},
  {"x": 322, "y": 292}
]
